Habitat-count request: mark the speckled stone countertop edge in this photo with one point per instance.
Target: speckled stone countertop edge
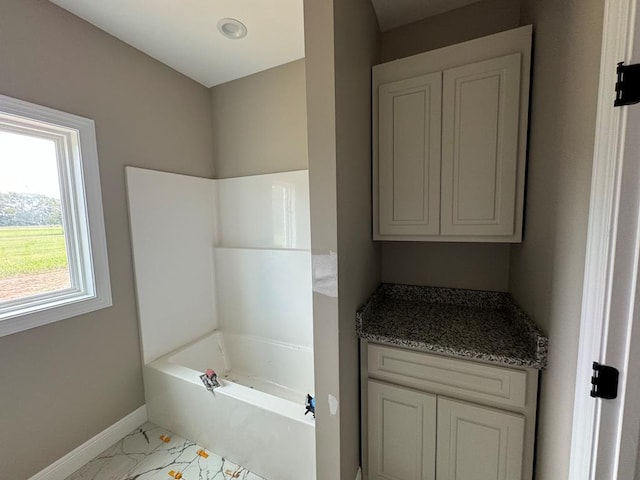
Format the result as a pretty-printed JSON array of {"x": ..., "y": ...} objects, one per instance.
[
  {"x": 529, "y": 332},
  {"x": 464, "y": 354}
]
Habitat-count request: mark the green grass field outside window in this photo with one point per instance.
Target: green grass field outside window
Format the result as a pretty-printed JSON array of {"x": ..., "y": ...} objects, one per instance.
[{"x": 27, "y": 250}]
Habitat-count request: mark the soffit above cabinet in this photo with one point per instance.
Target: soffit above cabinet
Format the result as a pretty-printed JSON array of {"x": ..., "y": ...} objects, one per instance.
[
  {"x": 184, "y": 35},
  {"x": 395, "y": 13}
]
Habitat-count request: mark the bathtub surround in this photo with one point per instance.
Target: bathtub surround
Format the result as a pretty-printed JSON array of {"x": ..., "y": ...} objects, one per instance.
[
  {"x": 242, "y": 242},
  {"x": 265, "y": 293},
  {"x": 245, "y": 311},
  {"x": 172, "y": 241},
  {"x": 152, "y": 453}
]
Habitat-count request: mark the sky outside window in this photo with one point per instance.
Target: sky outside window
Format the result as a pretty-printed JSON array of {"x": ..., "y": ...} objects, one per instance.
[
  {"x": 28, "y": 165},
  {"x": 33, "y": 255}
]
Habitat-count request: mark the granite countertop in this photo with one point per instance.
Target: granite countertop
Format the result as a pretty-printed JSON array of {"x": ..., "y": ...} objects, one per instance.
[{"x": 472, "y": 324}]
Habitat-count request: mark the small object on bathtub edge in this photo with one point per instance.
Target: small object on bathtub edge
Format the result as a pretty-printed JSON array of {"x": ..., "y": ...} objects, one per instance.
[
  {"x": 165, "y": 438},
  {"x": 210, "y": 380},
  {"x": 310, "y": 405}
]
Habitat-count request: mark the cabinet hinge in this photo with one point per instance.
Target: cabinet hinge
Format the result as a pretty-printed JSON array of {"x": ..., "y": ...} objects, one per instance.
[
  {"x": 604, "y": 381},
  {"x": 628, "y": 85}
]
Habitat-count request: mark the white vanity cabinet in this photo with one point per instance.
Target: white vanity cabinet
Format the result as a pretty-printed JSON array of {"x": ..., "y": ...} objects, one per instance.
[
  {"x": 431, "y": 417},
  {"x": 402, "y": 432},
  {"x": 449, "y": 141},
  {"x": 476, "y": 442}
]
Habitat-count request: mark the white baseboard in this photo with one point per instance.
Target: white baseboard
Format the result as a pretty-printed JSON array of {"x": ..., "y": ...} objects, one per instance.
[{"x": 86, "y": 452}]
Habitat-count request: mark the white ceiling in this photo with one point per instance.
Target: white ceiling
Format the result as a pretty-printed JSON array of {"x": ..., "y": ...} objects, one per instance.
[
  {"x": 394, "y": 13},
  {"x": 183, "y": 33}
]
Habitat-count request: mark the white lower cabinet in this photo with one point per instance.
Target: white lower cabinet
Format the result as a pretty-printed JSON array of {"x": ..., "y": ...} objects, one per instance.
[
  {"x": 487, "y": 433},
  {"x": 402, "y": 433},
  {"x": 478, "y": 443}
]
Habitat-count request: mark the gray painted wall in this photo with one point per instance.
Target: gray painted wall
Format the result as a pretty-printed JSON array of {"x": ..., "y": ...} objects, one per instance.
[
  {"x": 146, "y": 115},
  {"x": 339, "y": 106},
  {"x": 458, "y": 265},
  {"x": 321, "y": 128},
  {"x": 483, "y": 266},
  {"x": 260, "y": 122},
  {"x": 357, "y": 37},
  {"x": 547, "y": 269},
  {"x": 465, "y": 23}
]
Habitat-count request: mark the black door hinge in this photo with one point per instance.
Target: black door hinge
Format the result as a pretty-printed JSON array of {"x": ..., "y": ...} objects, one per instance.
[
  {"x": 604, "y": 381},
  {"x": 628, "y": 85}
]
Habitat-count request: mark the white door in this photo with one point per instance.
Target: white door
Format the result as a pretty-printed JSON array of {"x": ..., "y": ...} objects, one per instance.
[
  {"x": 409, "y": 128},
  {"x": 402, "y": 433},
  {"x": 619, "y": 422},
  {"x": 606, "y": 433},
  {"x": 478, "y": 443},
  {"x": 480, "y": 114}
]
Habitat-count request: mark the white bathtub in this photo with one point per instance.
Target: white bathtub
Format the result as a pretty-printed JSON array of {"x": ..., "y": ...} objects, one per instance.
[{"x": 256, "y": 418}]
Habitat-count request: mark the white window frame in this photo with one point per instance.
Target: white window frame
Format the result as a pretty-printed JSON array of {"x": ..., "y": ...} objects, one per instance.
[{"x": 82, "y": 217}]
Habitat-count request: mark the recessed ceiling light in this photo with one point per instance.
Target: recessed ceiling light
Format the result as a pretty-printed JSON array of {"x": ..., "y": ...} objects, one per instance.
[{"x": 232, "y": 28}]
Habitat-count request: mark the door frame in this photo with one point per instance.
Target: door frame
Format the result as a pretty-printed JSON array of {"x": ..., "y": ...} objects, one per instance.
[{"x": 602, "y": 246}]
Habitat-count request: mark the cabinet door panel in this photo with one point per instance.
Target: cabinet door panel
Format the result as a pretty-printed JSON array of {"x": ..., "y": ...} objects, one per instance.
[
  {"x": 409, "y": 139},
  {"x": 478, "y": 443},
  {"x": 481, "y": 109},
  {"x": 402, "y": 433}
]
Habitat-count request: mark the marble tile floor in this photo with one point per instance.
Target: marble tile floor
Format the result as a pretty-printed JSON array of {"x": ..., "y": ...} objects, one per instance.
[{"x": 153, "y": 453}]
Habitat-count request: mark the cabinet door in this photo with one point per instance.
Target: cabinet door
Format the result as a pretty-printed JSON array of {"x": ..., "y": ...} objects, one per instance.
[
  {"x": 409, "y": 136},
  {"x": 481, "y": 109},
  {"x": 402, "y": 433},
  {"x": 478, "y": 443}
]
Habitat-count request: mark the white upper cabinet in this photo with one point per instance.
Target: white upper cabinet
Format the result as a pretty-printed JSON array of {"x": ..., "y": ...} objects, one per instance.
[
  {"x": 449, "y": 130},
  {"x": 410, "y": 129},
  {"x": 480, "y": 112}
]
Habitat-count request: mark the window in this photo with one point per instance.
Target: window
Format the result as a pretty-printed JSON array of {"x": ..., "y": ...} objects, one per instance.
[{"x": 53, "y": 255}]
